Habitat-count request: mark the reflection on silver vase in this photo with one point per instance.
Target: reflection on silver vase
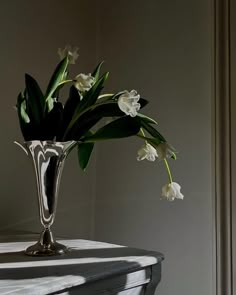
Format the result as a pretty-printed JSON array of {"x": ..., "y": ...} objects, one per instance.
[{"x": 48, "y": 160}]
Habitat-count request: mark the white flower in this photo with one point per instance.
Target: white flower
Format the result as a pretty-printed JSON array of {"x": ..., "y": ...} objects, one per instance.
[
  {"x": 84, "y": 82},
  {"x": 171, "y": 191},
  {"x": 148, "y": 152},
  {"x": 128, "y": 103},
  {"x": 68, "y": 51},
  {"x": 164, "y": 151}
]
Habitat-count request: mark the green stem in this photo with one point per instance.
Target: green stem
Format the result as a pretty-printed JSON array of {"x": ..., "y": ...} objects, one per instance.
[
  {"x": 105, "y": 95},
  {"x": 64, "y": 82},
  {"x": 168, "y": 170},
  {"x": 143, "y": 135}
]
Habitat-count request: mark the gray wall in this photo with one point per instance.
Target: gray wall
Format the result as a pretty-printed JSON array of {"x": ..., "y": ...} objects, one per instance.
[
  {"x": 31, "y": 32},
  {"x": 162, "y": 49}
]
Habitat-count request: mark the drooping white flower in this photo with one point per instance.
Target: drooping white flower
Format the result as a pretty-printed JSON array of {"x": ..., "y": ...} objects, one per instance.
[
  {"x": 148, "y": 152},
  {"x": 70, "y": 52},
  {"x": 84, "y": 82},
  {"x": 171, "y": 191},
  {"x": 165, "y": 151},
  {"x": 128, "y": 102}
]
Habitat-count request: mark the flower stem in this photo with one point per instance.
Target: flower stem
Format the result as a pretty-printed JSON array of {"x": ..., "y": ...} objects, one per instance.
[
  {"x": 105, "y": 95},
  {"x": 64, "y": 82},
  {"x": 168, "y": 170},
  {"x": 143, "y": 134}
]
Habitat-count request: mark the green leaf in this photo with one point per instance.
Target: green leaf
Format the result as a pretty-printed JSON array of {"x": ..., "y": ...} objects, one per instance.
[
  {"x": 90, "y": 118},
  {"x": 35, "y": 100},
  {"x": 153, "y": 141},
  {"x": 88, "y": 100},
  {"x": 52, "y": 122},
  {"x": 91, "y": 96},
  {"x": 96, "y": 72},
  {"x": 146, "y": 119},
  {"x": 21, "y": 108},
  {"x": 84, "y": 152},
  {"x": 25, "y": 125},
  {"x": 23, "y": 113},
  {"x": 57, "y": 77},
  {"x": 174, "y": 157},
  {"x": 106, "y": 109},
  {"x": 69, "y": 109},
  {"x": 143, "y": 102},
  {"x": 120, "y": 128},
  {"x": 80, "y": 128},
  {"x": 151, "y": 130}
]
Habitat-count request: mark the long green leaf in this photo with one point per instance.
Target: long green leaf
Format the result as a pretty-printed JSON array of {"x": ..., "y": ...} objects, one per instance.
[
  {"x": 102, "y": 110},
  {"x": 21, "y": 109},
  {"x": 52, "y": 122},
  {"x": 35, "y": 100},
  {"x": 96, "y": 72},
  {"x": 84, "y": 153},
  {"x": 152, "y": 131},
  {"x": 57, "y": 77},
  {"x": 120, "y": 128},
  {"x": 90, "y": 118},
  {"x": 91, "y": 96},
  {"x": 69, "y": 109},
  {"x": 22, "y": 115},
  {"x": 96, "y": 112},
  {"x": 89, "y": 99},
  {"x": 79, "y": 129},
  {"x": 146, "y": 119}
]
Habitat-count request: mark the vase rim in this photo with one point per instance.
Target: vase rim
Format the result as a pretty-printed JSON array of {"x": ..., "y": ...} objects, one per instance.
[{"x": 25, "y": 145}]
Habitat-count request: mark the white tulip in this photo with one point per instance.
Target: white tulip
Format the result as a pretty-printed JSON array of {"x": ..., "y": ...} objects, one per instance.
[
  {"x": 84, "y": 82},
  {"x": 164, "y": 151},
  {"x": 128, "y": 103},
  {"x": 148, "y": 152},
  {"x": 171, "y": 191},
  {"x": 68, "y": 51}
]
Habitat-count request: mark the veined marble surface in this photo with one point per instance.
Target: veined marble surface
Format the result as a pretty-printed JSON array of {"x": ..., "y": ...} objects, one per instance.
[{"x": 87, "y": 261}]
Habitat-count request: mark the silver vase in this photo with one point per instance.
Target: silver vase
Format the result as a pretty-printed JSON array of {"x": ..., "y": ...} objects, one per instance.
[{"x": 48, "y": 161}]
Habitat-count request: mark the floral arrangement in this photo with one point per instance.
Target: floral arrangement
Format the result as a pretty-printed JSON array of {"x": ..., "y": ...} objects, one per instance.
[{"x": 43, "y": 117}]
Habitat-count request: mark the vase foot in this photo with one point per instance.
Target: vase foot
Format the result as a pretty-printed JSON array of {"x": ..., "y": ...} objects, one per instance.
[{"x": 46, "y": 246}]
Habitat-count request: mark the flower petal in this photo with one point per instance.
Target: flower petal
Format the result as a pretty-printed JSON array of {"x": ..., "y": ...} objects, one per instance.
[
  {"x": 165, "y": 151},
  {"x": 84, "y": 82},
  {"x": 128, "y": 103},
  {"x": 148, "y": 152},
  {"x": 171, "y": 191},
  {"x": 68, "y": 51}
]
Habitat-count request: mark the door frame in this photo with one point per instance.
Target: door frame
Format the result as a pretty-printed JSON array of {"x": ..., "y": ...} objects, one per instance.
[{"x": 223, "y": 182}]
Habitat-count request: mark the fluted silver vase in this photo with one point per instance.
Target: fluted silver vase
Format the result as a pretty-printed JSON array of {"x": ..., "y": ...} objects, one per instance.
[{"x": 48, "y": 159}]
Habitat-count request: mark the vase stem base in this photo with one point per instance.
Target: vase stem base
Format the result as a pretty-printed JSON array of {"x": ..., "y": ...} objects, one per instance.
[{"x": 46, "y": 246}]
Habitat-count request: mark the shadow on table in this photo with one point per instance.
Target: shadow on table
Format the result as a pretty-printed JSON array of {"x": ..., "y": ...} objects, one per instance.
[
  {"x": 70, "y": 277},
  {"x": 77, "y": 267},
  {"x": 69, "y": 272}
]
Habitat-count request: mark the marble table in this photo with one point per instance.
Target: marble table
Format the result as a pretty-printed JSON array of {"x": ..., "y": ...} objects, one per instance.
[{"x": 89, "y": 268}]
